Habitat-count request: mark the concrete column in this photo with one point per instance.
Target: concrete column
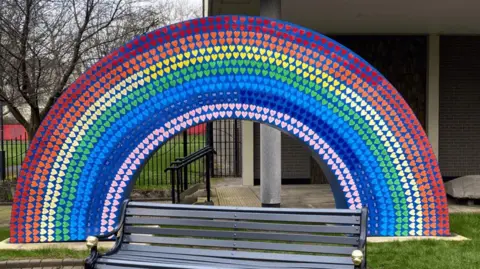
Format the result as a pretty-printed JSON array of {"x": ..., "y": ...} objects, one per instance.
[
  {"x": 247, "y": 153},
  {"x": 270, "y": 166},
  {"x": 433, "y": 91},
  {"x": 270, "y": 138}
]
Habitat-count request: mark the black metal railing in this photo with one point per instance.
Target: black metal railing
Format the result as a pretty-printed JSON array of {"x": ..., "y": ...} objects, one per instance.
[
  {"x": 179, "y": 172},
  {"x": 12, "y": 153},
  {"x": 152, "y": 174},
  {"x": 226, "y": 139}
]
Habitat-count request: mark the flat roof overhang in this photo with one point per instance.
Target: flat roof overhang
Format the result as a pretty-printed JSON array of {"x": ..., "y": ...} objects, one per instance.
[{"x": 458, "y": 17}]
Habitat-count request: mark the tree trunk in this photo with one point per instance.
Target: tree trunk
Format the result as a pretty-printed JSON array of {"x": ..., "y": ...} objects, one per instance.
[{"x": 32, "y": 128}]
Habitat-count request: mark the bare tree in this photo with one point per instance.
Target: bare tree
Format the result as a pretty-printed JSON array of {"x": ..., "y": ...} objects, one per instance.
[{"x": 46, "y": 44}]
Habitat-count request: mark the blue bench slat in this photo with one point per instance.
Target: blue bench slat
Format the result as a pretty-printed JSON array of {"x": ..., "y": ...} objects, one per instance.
[
  {"x": 287, "y": 217},
  {"x": 292, "y": 227},
  {"x": 236, "y": 254},
  {"x": 291, "y": 237}
]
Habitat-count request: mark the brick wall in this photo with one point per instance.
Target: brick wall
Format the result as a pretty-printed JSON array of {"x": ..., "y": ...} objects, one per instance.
[{"x": 459, "y": 137}]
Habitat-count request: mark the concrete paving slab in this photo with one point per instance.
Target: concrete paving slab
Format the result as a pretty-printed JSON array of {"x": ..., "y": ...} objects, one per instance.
[
  {"x": 5, "y": 215},
  {"x": 385, "y": 239},
  {"x": 5, "y": 244},
  {"x": 237, "y": 196}
]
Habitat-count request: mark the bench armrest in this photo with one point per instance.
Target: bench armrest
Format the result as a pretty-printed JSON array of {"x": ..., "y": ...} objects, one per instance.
[
  {"x": 359, "y": 257},
  {"x": 92, "y": 241}
]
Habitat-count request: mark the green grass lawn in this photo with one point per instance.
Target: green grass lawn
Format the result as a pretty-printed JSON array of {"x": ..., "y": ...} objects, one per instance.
[
  {"x": 15, "y": 152},
  {"x": 429, "y": 254},
  {"x": 425, "y": 254}
]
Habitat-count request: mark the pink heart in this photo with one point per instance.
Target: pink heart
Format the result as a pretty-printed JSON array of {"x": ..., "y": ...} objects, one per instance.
[{"x": 229, "y": 114}]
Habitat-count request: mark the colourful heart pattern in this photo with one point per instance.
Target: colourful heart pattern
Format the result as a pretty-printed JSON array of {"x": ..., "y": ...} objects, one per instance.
[{"x": 103, "y": 128}]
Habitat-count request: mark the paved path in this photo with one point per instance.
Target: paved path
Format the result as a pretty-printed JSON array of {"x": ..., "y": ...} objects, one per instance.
[{"x": 237, "y": 196}]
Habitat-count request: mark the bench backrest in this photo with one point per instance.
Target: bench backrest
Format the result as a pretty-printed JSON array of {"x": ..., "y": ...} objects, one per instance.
[{"x": 290, "y": 234}]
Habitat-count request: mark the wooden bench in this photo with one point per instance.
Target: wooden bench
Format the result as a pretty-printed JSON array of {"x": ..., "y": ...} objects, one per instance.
[{"x": 152, "y": 235}]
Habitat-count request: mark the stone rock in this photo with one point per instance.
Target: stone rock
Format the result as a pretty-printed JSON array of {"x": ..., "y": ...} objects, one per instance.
[{"x": 464, "y": 187}]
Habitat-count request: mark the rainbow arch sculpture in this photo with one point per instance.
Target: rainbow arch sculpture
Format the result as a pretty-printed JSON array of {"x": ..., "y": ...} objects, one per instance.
[{"x": 83, "y": 159}]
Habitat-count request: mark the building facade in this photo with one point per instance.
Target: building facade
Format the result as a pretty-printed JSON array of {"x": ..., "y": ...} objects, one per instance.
[{"x": 429, "y": 50}]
